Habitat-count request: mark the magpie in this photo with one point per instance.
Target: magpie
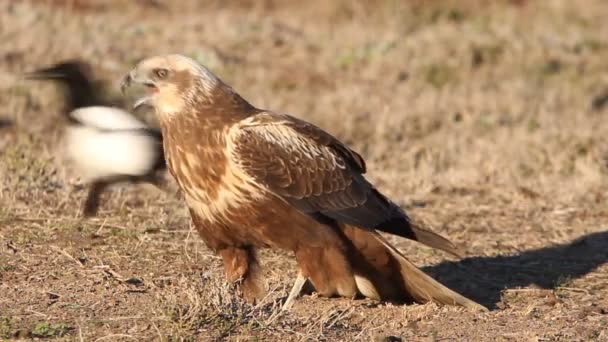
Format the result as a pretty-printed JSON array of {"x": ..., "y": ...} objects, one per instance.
[{"x": 106, "y": 144}]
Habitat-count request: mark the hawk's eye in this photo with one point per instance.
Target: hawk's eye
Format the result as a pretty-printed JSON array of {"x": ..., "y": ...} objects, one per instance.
[{"x": 161, "y": 73}]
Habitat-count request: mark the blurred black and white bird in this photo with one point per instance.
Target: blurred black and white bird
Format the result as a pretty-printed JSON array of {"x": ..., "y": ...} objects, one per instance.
[{"x": 106, "y": 144}]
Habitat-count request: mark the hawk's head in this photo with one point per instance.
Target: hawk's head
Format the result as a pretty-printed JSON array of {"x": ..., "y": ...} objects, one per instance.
[{"x": 171, "y": 82}]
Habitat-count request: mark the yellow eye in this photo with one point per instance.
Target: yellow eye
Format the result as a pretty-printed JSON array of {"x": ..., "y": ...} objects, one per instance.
[{"x": 161, "y": 73}]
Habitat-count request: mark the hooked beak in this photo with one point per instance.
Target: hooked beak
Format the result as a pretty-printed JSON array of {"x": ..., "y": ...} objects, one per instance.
[{"x": 144, "y": 97}]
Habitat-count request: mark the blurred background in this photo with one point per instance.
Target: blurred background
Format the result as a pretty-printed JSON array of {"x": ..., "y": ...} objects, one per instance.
[{"x": 485, "y": 119}]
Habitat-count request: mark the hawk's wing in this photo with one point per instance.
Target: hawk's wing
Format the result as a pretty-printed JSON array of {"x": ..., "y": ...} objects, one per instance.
[
  {"x": 319, "y": 175},
  {"x": 301, "y": 163}
]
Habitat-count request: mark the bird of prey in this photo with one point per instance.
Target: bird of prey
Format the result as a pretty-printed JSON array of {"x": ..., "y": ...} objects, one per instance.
[
  {"x": 106, "y": 144},
  {"x": 254, "y": 178}
]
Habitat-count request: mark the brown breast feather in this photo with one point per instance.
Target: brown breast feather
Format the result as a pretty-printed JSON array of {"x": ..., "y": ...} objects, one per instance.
[{"x": 197, "y": 157}]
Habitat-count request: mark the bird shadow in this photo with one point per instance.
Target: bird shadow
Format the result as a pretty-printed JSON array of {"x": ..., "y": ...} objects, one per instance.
[{"x": 484, "y": 278}]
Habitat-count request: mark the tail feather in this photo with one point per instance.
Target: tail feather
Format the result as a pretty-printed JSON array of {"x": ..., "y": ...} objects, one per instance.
[
  {"x": 422, "y": 287},
  {"x": 402, "y": 226},
  {"x": 435, "y": 240},
  {"x": 383, "y": 272}
]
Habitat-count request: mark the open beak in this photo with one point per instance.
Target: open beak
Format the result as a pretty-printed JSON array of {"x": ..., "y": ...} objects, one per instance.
[{"x": 143, "y": 94}]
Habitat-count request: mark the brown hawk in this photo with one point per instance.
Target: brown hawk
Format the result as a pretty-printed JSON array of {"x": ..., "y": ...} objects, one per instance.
[{"x": 253, "y": 178}]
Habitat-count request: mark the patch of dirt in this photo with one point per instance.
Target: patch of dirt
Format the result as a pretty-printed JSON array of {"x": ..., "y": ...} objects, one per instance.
[{"x": 479, "y": 118}]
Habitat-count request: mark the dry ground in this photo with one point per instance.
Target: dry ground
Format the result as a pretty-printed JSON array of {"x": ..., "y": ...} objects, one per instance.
[{"x": 488, "y": 120}]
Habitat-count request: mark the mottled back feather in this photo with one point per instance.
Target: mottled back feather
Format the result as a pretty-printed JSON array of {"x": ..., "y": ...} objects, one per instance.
[{"x": 320, "y": 176}]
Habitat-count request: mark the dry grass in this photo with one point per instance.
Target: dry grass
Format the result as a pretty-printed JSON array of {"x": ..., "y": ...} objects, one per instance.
[{"x": 488, "y": 120}]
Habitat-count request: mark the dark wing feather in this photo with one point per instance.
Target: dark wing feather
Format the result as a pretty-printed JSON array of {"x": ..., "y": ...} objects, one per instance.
[{"x": 320, "y": 176}]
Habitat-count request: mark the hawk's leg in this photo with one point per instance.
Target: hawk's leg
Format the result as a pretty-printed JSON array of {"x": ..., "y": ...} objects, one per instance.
[
  {"x": 328, "y": 269},
  {"x": 241, "y": 264},
  {"x": 295, "y": 291}
]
